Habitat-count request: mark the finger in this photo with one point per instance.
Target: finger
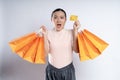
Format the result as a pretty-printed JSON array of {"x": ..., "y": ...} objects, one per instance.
[
  {"x": 77, "y": 23},
  {"x": 43, "y": 28}
]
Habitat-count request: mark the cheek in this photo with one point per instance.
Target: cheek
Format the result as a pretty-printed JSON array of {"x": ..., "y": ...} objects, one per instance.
[
  {"x": 54, "y": 21},
  {"x": 64, "y": 21}
]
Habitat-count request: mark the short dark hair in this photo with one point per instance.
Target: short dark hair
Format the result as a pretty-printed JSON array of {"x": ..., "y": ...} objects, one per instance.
[{"x": 59, "y": 9}]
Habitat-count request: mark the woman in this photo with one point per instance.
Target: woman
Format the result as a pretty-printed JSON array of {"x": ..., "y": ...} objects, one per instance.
[{"x": 59, "y": 45}]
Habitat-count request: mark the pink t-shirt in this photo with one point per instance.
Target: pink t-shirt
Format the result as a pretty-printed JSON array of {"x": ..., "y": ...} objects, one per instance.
[{"x": 61, "y": 47}]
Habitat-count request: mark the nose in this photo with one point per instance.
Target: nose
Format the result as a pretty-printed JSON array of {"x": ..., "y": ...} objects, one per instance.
[{"x": 58, "y": 20}]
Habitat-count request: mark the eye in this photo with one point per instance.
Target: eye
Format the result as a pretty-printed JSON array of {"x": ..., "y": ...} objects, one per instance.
[
  {"x": 55, "y": 17},
  {"x": 62, "y": 17}
]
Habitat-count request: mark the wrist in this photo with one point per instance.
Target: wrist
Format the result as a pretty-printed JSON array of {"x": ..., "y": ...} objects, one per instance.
[{"x": 75, "y": 30}]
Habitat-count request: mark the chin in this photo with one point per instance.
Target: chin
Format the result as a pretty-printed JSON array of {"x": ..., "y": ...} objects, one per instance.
[{"x": 59, "y": 29}]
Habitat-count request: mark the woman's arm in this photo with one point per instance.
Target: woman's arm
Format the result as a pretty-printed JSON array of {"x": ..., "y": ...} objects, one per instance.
[
  {"x": 75, "y": 41},
  {"x": 46, "y": 42},
  {"x": 76, "y": 25}
]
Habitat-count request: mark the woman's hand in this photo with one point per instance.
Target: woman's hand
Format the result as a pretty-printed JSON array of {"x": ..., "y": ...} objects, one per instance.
[
  {"x": 76, "y": 25},
  {"x": 43, "y": 30}
]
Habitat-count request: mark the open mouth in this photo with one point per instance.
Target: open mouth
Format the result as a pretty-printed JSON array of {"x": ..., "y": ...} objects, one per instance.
[{"x": 59, "y": 25}]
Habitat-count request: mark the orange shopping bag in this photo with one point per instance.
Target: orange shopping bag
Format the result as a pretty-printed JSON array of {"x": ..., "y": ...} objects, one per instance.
[
  {"x": 30, "y": 47},
  {"x": 90, "y": 46}
]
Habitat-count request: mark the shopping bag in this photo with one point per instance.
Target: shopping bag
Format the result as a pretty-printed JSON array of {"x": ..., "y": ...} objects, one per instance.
[
  {"x": 40, "y": 55},
  {"x": 90, "y": 46},
  {"x": 22, "y": 41},
  {"x": 30, "y": 47}
]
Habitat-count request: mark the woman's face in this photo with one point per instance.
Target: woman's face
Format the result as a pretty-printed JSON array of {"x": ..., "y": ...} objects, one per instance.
[{"x": 58, "y": 20}]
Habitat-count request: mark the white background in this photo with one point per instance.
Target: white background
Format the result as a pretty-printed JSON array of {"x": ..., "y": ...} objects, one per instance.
[{"x": 18, "y": 17}]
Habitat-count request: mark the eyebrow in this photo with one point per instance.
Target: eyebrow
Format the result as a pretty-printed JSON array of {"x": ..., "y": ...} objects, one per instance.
[{"x": 60, "y": 16}]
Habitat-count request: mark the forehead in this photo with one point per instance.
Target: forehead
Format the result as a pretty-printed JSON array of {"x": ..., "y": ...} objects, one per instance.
[{"x": 59, "y": 13}]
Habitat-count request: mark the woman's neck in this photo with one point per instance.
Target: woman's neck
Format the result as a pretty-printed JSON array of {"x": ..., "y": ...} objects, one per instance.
[{"x": 58, "y": 30}]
